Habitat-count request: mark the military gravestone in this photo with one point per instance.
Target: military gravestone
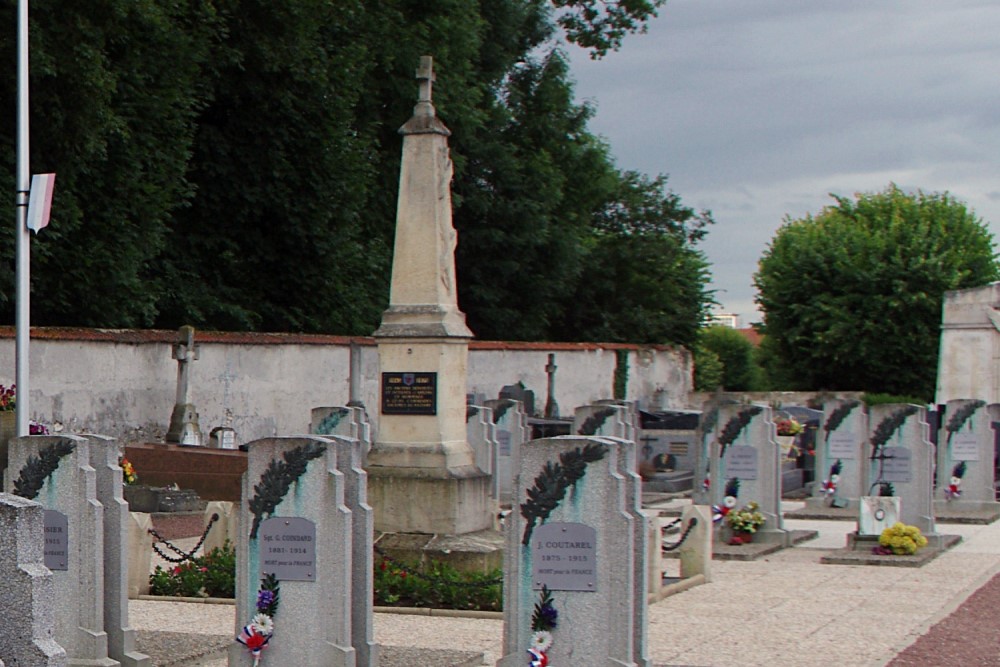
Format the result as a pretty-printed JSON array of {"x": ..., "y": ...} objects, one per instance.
[
  {"x": 306, "y": 542},
  {"x": 580, "y": 562}
]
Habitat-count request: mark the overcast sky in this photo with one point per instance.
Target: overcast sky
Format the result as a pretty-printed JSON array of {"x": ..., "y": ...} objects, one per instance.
[{"x": 758, "y": 110}]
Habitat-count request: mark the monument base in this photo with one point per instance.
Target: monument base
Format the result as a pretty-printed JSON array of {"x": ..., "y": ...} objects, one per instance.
[
  {"x": 481, "y": 551},
  {"x": 410, "y": 500}
]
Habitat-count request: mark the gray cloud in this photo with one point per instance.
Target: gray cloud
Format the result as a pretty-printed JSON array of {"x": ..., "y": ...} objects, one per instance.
[{"x": 759, "y": 110}]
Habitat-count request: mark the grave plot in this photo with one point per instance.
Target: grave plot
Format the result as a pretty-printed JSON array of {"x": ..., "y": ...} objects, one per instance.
[
  {"x": 841, "y": 463},
  {"x": 899, "y": 495},
  {"x": 745, "y": 486},
  {"x": 574, "y": 567},
  {"x": 965, "y": 490}
]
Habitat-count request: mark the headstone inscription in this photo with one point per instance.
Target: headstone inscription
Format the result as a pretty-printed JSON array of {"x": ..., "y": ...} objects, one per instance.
[
  {"x": 901, "y": 462},
  {"x": 746, "y": 462},
  {"x": 294, "y": 494},
  {"x": 56, "y": 471},
  {"x": 841, "y": 455},
  {"x": 581, "y": 562},
  {"x": 27, "y": 638},
  {"x": 667, "y": 450},
  {"x": 966, "y": 476}
]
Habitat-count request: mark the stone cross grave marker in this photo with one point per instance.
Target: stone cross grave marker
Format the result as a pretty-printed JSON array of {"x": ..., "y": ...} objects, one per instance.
[
  {"x": 551, "y": 406},
  {"x": 184, "y": 427},
  {"x": 900, "y": 458},
  {"x": 581, "y": 562},
  {"x": 295, "y": 545},
  {"x": 841, "y": 455},
  {"x": 965, "y": 455},
  {"x": 746, "y": 466},
  {"x": 56, "y": 471},
  {"x": 27, "y": 638}
]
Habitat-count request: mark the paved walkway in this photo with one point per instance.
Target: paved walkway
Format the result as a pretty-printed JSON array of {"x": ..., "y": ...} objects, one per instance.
[{"x": 785, "y": 609}]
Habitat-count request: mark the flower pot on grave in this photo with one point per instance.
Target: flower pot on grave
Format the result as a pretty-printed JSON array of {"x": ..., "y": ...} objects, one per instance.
[
  {"x": 787, "y": 444},
  {"x": 741, "y": 537}
]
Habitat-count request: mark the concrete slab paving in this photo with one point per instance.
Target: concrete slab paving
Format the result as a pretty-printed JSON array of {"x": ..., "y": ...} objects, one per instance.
[{"x": 786, "y": 608}]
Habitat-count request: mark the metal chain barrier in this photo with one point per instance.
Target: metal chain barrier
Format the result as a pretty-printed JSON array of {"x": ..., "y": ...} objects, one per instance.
[
  {"x": 684, "y": 536},
  {"x": 436, "y": 580},
  {"x": 181, "y": 554}
]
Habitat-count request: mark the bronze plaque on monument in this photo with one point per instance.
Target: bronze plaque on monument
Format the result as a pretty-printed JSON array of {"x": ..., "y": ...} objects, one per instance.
[{"x": 409, "y": 393}]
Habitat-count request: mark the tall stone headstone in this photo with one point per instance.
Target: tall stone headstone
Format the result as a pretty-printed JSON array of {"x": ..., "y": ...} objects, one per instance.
[
  {"x": 105, "y": 453},
  {"x": 481, "y": 436},
  {"x": 701, "y": 491},
  {"x": 56, "y": 471},
  {"x": 604, "y": 419},
  {"x": 901, "y": 461},
  {"x": 422, "y": 450},
  {"x": 582, "y": 560},
  {"x": 628, "y": 417},
  {"x": 966, "y": 476},
  {"x": 295, "y": 526},
  {"x": 27, "y": 628},
  {"x": 841, "y": 455},
  {"x": 747, "y": 458},
  {"x": 511, "y": 432}
]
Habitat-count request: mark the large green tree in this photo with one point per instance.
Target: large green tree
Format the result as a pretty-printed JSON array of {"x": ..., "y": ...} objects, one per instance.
[
  {"x": 736, "y": 354},
  {"x": 852, "y": 296},
  {"x": 234, "y": 164},
  {"x": 115, "y": 88}
]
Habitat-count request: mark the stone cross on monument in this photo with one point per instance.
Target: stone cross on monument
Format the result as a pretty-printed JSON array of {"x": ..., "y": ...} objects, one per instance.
[
  {"x": 422, "y": 476},
  {"x": 184, "y": 427},
  {"x": 425, "y": 75}
]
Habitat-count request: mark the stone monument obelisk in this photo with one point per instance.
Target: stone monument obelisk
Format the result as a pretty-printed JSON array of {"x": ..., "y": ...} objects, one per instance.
[{"x": 422, "y": 477}]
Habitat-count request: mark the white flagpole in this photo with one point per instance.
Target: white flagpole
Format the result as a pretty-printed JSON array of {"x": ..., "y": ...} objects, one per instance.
[{"x": 22, "y": 184}]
